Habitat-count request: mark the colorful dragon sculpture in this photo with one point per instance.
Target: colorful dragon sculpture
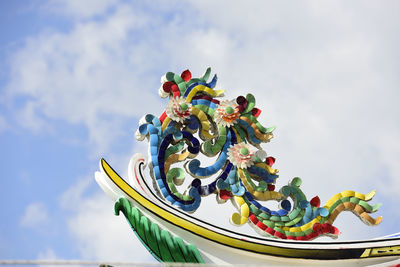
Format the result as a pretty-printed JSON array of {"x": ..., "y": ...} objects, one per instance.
[{"x": 195, "y": 122}]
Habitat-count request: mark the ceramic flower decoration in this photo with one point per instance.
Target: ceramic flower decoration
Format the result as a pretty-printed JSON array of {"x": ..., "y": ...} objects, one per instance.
[
  {"x": 178, "y": 110},
  {"x": 226, "y": 113},
  {"x": 241, "y": 156}
]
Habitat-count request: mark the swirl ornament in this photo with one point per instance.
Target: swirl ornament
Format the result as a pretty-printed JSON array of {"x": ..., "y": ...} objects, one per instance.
[{"x": 195, "y": 122}]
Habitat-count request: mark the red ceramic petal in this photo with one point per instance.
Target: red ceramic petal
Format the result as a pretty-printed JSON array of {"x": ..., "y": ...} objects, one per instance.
[
  {"x": 174, "y": 87},
  {"x": 270, "y": 231},
  {"x": 240, "y": 109},
  {"x": 271, "y": 187},
  {"x": 261, "y": 226},
  {"x": 186, "y": 75},
  {"x": 240, "y": 100},
  {"x": 312, "y": 235},
  {"x": 315, "y": 201},
  {"x": 253, "y": 218},
  {"x": 224, "y": 194},
  {"x": 175, "y": 90},
  {"x": 326, "y": 227},
  {"x": 335, "y": 231},
  {"x": 280, "y": 235},
  {"x": 256, "y": 112},
  {"x": 242, "y": 103},
  {"x": 167, "y": 86},
  {"x": 270, "y": 161},
  {"x": 317, "y": 228},
  {"x": 163, "y": 116}
]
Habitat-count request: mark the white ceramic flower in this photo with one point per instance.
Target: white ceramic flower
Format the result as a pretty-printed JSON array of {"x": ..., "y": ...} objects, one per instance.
[
  {"x": 178, "y": 109},
  {"x": 226, "y": 113},
  {"x": 240, "y": 155}
]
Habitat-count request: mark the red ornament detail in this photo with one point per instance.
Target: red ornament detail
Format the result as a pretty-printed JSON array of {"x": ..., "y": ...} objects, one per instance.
[
  {"x": 261, "y": 226},
  {"x": 242, "y": 103},
  {"x": 326, "y": 228},
  {"x": 256, "y": 112},
  {"x": 270, "y": 161},
  {"x": 317, "y": 228},
  {"x": 240, "y": 108},
  {"x": 175, "y": 90},
  {"x": 186, "y": 75},
  {"x": 280, "y": 235},
  {"x": 315, "y": 202},
  {"x": 174, "y": 87},
  {"x": 270, "y": 231},
  {"x": 224, "y": 194},
  {"x": 167, "y": 86},
  {"x": 241, "y": 100},
  {"x": 253, "y": 218},
  {"x": 162, "y": 117},
  {"x": 335, "y": 231},
  {"x": 311, "y": 235},
  {"x": 271, "y": 187},
  {"x": 171, "y": 86}
]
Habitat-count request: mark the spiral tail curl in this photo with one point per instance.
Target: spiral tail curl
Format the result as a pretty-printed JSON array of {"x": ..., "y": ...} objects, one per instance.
[{"x": 354, "y": 202}]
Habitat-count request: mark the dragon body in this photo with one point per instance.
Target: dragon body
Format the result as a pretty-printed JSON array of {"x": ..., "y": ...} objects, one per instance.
[{"x": 196, "y": 122}]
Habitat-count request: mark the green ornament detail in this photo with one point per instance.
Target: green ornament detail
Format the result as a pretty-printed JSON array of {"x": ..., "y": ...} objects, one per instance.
[
  {"x": 229, "y": 110},
  {"x": 160, "y": 243},
  {"x": 244, "y": 151},
  {"x": 184, "y": 106},
  {"x": 211, "y": 149}
]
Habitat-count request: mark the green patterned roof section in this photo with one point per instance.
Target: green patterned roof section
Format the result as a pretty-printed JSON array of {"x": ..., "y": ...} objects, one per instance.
[{"x": 160, "y": 243}]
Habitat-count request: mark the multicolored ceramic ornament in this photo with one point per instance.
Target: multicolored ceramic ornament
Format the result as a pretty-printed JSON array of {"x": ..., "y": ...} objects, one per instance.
[{"x": 195, "y": 122}]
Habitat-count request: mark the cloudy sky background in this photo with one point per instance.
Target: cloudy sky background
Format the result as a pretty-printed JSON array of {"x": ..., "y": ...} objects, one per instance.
[{"x": 76, "y": 76}]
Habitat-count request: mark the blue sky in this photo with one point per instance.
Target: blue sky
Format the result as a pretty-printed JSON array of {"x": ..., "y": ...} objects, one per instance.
[{"x": 76, "y": 76}]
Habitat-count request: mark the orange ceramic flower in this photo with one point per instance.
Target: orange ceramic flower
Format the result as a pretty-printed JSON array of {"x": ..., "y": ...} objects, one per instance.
[{"x": 226, "y": 113}]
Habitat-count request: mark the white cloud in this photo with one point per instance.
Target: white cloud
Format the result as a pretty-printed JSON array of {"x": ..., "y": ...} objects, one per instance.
[
  {"x": 80, "y": 9},
  {"x": 99, "y": 235},
  {"x": 35, "y": 215},
  {"x": 29, "y": 118},
  {"x": 47, "y": 254},
  {"x": 72, "y": 197},
  {"x": 88, "y": 76}
]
